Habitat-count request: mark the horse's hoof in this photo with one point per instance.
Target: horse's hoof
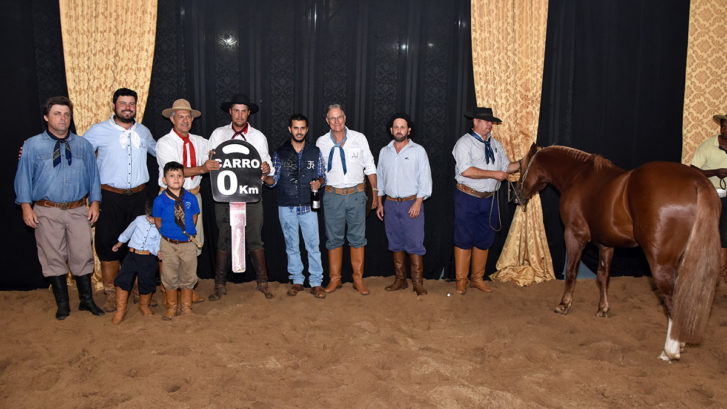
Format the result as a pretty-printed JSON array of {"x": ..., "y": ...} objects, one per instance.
[
  {"x": 666, "y": 358},
  {"x": 561, "y": 309},
  {"x": 602, "y": 314}
]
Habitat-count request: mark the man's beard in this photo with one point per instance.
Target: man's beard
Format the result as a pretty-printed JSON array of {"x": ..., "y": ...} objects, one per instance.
[
  {"x": 125, "y": 120},
  {"x": 400, "y": 138}
]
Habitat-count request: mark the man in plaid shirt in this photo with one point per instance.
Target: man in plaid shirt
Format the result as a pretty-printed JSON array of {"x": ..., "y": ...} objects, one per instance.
[{"x": 299, "y": 169}]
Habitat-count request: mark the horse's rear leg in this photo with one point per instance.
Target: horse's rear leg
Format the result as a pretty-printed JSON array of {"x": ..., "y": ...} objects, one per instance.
[
  {"x": 605, "y": 255},
  {"x": 574, "y": 249},
  {"x": 664, "y": 277}
]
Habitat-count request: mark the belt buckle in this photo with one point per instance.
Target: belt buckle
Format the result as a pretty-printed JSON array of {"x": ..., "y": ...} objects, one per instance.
[
  {"x": 128, "y": 192},
  {"x": 63, "y": 206}
]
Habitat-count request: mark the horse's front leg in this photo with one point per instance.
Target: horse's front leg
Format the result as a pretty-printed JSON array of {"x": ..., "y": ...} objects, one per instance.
[
  {"x": 605, "y": 256},
  {"x": 574, "y": 249}
]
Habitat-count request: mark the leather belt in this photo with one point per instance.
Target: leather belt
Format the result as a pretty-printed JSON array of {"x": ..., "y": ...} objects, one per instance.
[
  {"x": 472, "y": 192},
  {"x": 192, "y": 191},
  {"x": 140, "y": 252},
  {"x": 401, "y": 199},
  {"x": 345, "y": 190},
  {"x": 62, "y": 206},
  {"x": 176, "y": 241},
  {"x": 124, "y": 191}
]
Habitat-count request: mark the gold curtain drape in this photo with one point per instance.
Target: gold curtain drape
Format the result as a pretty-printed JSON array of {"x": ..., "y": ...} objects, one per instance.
[
  {"x": 705, "y": 88},
  {"x": 508, "y": 48},
  {"x": 107, "y": 45}
]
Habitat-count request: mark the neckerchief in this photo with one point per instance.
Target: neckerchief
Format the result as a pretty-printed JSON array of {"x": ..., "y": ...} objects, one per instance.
[
  {"x": 241, "y": 133},
  {"x": 127, "y": 135},
  {"x": 190, "y": 159},
  {"x": 488, "y": 148},
  {"x": 339, "y": 146},
  {"x": 57, "y": 149}
]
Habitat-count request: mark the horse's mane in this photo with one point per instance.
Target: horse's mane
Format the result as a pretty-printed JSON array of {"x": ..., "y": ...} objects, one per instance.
[{"x": 599, "y": 162}]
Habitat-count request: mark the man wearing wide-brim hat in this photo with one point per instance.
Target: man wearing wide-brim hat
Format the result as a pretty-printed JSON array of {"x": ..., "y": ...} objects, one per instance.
[
  {"x": 481, "y": 164},
  {"x": 192, "y": 151},
  {"x": 711, "y": 159},
  {"x": 240, "y": 107}
]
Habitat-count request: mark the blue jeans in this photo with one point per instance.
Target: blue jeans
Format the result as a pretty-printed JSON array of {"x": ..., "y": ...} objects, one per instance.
[
  {"x": 308, "y": 222},
  {"x": 343, "y": 211}
]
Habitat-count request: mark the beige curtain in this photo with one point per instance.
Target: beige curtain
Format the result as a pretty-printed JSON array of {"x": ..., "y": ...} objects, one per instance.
[
  {"x": 107, "y": 44},
  {"x": 508, "y": 47},
  {"x": 705, "y": 91}
]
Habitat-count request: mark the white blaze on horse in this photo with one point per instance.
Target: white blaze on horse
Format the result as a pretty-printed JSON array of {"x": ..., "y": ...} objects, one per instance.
[{"x": 669, "y": 209}]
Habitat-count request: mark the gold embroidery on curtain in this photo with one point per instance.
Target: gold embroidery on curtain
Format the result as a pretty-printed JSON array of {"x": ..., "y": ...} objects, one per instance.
[
  {"x": 705, "y": 88},
  {"x": 106, "y": 45},
  {"x": 508, "y": 48}
]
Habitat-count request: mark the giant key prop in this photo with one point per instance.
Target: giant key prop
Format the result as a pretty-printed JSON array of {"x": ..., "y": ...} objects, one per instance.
[{"x": 237, "y": 182}]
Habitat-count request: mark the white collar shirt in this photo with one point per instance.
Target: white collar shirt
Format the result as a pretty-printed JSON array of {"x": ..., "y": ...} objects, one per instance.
[
  {"x": 253, "y": 136},
  {"x": 469, "y": 152},
  {"x": 170, "y": 148},
  {"x": 359, "y": 160}
]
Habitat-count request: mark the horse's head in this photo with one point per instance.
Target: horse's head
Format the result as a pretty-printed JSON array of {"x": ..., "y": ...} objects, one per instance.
[{"x": 526, "y": 185}]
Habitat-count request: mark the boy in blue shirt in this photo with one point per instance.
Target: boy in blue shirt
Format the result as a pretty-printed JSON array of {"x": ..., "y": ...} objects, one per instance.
[
  {"x": 141, "y": 260},
  {"x": 175, "y": 214}
]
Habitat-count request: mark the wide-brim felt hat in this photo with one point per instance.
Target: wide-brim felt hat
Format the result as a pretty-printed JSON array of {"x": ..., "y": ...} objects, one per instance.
[
  {"x": 483, "y": 113},
  {"x": 718, "y": 118},
  {"x": 240, "y": 99},
  {"x": 181, "y": 105}
]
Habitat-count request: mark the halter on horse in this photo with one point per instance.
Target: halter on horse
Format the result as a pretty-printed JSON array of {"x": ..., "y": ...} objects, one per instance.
[{"x": 675, "y": 223}]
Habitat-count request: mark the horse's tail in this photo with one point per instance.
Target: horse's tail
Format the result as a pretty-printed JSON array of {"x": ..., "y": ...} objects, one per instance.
[{"x": 698, "y": 271}]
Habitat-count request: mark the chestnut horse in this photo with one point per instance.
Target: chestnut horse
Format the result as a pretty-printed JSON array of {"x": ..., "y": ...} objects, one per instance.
[{"x": 668, "y": 209}]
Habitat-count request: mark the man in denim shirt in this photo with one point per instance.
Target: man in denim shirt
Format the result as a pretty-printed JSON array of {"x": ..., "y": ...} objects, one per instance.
[{"x": 56, "y": 175}]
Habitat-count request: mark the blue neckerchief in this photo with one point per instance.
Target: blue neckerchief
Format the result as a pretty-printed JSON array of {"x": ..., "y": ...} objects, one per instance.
[
  {"x": 57, "y": 149},
  {"x": 488, "y": 148},
  {"x": 338, "y": 145}
]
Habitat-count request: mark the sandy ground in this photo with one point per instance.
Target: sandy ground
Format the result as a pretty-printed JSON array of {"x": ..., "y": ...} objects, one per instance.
[{"x": 386, "y": 350}]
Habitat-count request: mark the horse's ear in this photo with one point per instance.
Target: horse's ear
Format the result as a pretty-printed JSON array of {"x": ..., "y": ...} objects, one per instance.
[{"x": 533, "y": 148}]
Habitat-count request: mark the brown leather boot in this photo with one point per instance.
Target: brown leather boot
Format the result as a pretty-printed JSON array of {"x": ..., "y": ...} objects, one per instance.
[
  {"x": 479, "y": 260},
  {"x": 335, "y": 262},
  {"x": 461, "y": 268},
  {"x": 144, "y": 302},
  {"x": 122, "y": 296},
  {"x": 185, "y": 296},
  {"x": 196, "y": 297},
  {"x": 357, "y": 264},
  {"x": 417, "y": 273},
  {"x": 170, "y": 300},
  {"x": 261, "y": 271},
  {"x": 221, "y": 267},
  {"x": 109, "y": 271},
  {"x": 400, "y": 272}
]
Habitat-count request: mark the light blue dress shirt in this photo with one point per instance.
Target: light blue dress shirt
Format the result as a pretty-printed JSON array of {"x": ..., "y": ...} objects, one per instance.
[
  {"x": 469, "y": 152},
  {"x": 37, "y": 179},
  {"x": 121, "y": 153},
  {"x": 142, "y": 235},
  {"x": 405, "y": 173}
]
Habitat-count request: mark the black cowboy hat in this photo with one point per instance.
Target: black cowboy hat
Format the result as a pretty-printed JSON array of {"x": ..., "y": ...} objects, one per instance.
[
  {"x": 719, "y": 118},
  {"x": 240, "y": 99},
  {"x": 482, "y": 113}
]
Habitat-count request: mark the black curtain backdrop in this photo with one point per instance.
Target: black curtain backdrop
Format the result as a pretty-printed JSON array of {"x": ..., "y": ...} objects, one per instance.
[
  {"x": 613, "y": 84},
  {"x": 374, "y": 57}
]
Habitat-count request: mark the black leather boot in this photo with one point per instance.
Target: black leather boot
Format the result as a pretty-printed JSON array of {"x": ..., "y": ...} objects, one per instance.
[
  {"x": 60, "y": 292},
  {"x": 221, "y": 268},
  {"x": 85, "y": 295},
  {"x": 261, "y": 271}
]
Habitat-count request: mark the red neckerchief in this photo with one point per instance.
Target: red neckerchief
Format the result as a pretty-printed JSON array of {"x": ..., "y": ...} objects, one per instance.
[
  {"x": 189, "y": 157},
  {"x": 242, "y": 133}
]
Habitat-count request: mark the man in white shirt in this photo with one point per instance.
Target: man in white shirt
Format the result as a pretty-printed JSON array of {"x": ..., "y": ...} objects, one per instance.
[
  {"x": 190, "y": 150},
  {"x": 348, "y": 158},
  {"x": 240, "y": 107}
]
